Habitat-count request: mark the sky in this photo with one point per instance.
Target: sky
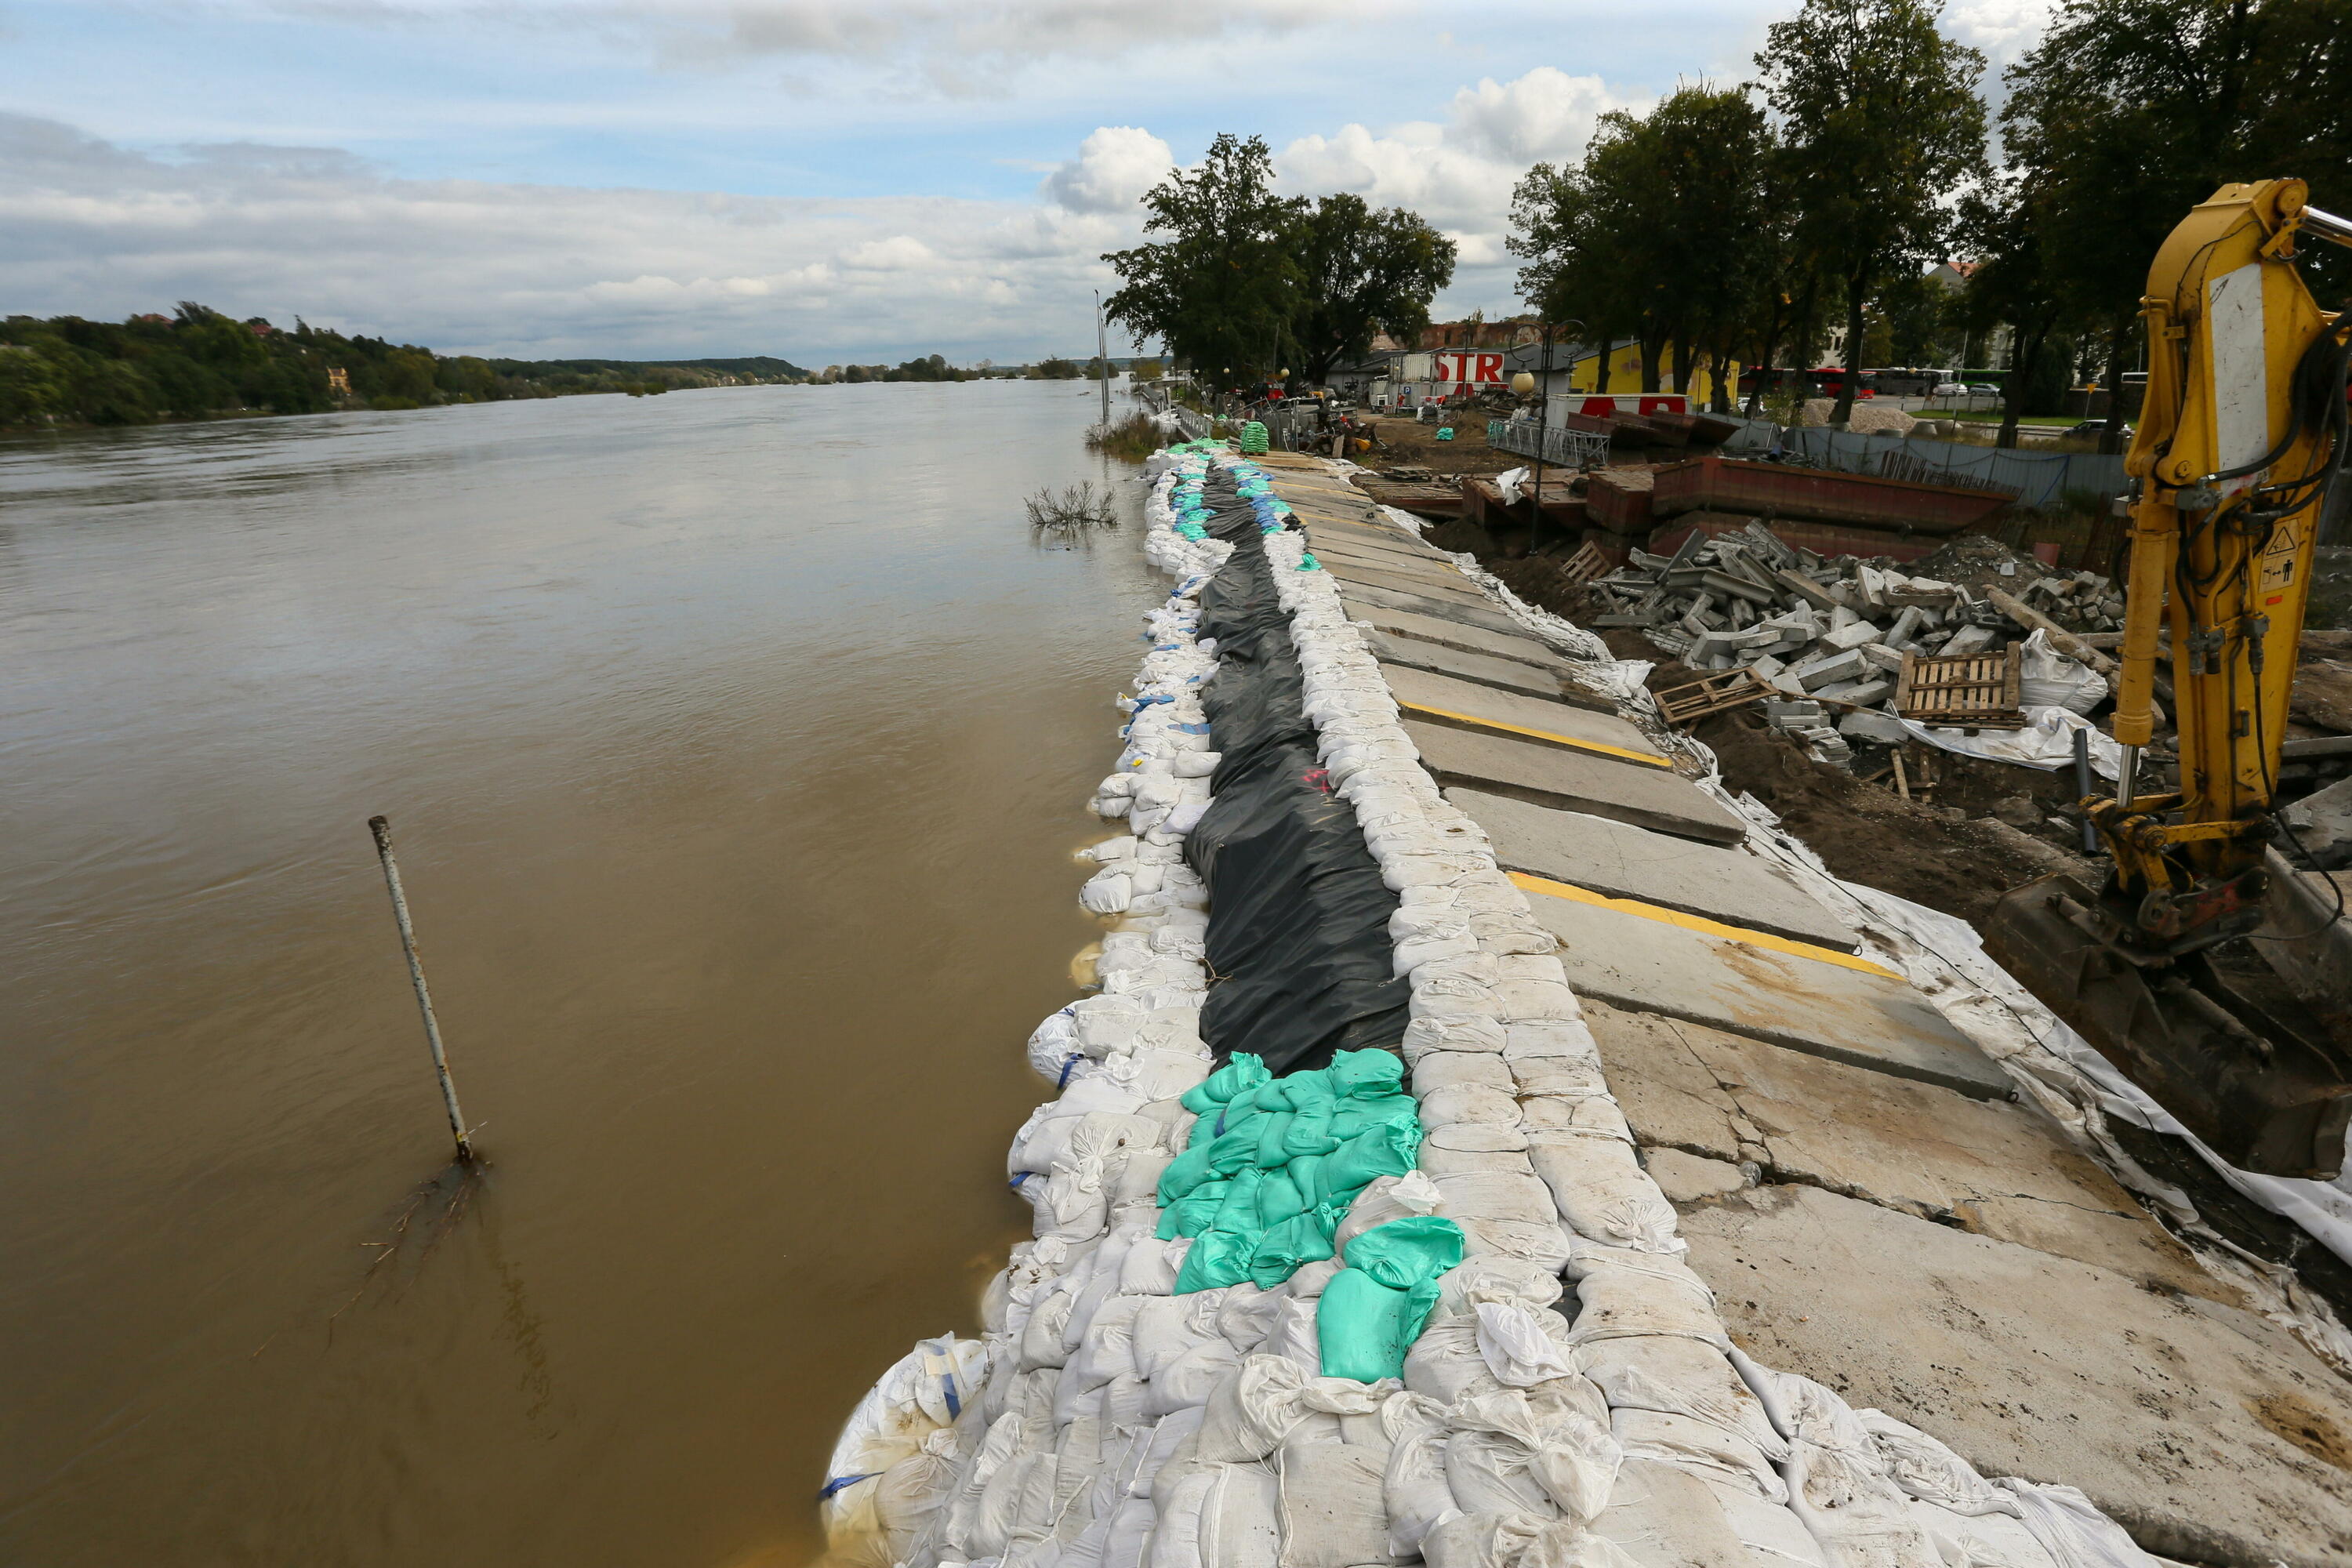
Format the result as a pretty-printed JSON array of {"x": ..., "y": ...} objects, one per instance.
[{"x": 826, "y": 181}]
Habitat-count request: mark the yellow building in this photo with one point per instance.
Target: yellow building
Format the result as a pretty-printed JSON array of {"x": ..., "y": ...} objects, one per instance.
[{"x": 1625, "y": 373}]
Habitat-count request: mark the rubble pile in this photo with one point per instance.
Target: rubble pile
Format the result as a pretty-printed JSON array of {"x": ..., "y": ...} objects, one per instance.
[{"x": 1824, "y": 630}]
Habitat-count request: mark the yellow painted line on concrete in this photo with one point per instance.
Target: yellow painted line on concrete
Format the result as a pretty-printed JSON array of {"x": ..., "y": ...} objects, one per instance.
[
  {"x": 1699, "y": 923},
  {"x": 1603, "y": 747}
]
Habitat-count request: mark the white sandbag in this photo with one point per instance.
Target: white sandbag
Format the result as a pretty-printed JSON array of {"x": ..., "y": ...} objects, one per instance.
[
  {"x": 1694, "y": 1444},
  {"x": 1140, "y": 1171},
  {"x": 1438, "y": 1160},
  {"x": 1602, "y": 1192},
  {"x": 1107, "y": 1350},
  {"x": 1307, "y": 1284},
  {"x": 1477, "y": 1138},
  {"x": 1544, "y": 1244},
  {"x": 1412, "y": 1482},
  {"x": 1557, "y": 1078},
  {"x": 1385, "y": 1199},
  {"x": 1773, "y": 1534},
  {"x": 1052, "y": 1045},
  {"x": 1518, "y": 1349},
  {"x": 1470, "y": 1033},
  {"x": 1447, "y": 997},
  {"x": 1252, "y": 1412},
  {"x": 1294, "y": 1336},
  {"x": 1446, "y": 1070},
  {"x": 1475, "y": 1103},
  {"x": 1473, "y": 1279},
  {"x": 1169, "y": 1434},
  {"x": 1167, "y": 1326},
  {"x": 1150, "y": 1267},
  {"x": 2071, "y": 1530},
  {"x": 1221, "y": 1516},
  {"x": 1108, "y": 892},
  {"x": 1624, "y": 1293},
  {"x": 1594, "y": 1114},
  {"x": 1192, "y": 1377},
  {"x": 1130, "y": 1534},
  {"x": 1041, "y": 1336},
  {"x": 1572, "y": 1457},
  {"x": 1246, "y": 1315},
  {"x": 1522, "y": 1199},
  {"x": 2048, "y": 678},
  {"x": 1197, "y": 765},
  {"x": 1445, "y": 1363},
  {"x": 1979, "y": 1540},
  {"x": 1680, "y": 1376},
  {"x": 1333, "y": 1515}
]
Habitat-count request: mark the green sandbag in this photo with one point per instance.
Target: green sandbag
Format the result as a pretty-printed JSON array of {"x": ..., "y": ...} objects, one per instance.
[
  {"x": 1374, "y": 1308},
  {"x": 1238, "y": 1213},
  {"x": 1278, "y": 1198},
  {"x": 1366, "y": 1074},
  {"x": 1354, "y": 1116},
  {"x": 1192, "y": 1214},
  {"x": 1407, "y": 1253},
  {"x": 1386, "y": 1150},
  {"x": 1218, "y": 1157},
  {"x": 1274, "y": 1131},
  {"x": 1245, "y": 1071},
  {"x": 1302, "y": 1239},
  {"x": 1216, "y": 1257}
]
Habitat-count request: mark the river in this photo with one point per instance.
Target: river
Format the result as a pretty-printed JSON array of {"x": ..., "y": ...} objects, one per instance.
[{"x": 735, "y": 744}]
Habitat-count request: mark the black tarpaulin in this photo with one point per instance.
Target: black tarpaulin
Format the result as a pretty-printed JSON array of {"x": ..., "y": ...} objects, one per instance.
[{"x": 1298, "y": 947}]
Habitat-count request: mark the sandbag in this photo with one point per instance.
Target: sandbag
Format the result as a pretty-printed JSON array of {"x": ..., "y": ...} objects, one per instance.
[
  {"x": 1190, "y": 1378},
  {"x": 1413, "y": 1484},
  {"x": 1602, "y": 1192},
  {"x": 1518, "y": 1349},
  {"x": 1372, "y": 1309},
  {"x": 1386, "y": 1199},
  {"x": 1333, "y": 1512},
  {"x": 1252, "y": 1412}
]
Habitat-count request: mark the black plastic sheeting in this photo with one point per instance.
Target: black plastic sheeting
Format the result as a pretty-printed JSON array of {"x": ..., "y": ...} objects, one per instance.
[{"x": 1298, "y": 948}]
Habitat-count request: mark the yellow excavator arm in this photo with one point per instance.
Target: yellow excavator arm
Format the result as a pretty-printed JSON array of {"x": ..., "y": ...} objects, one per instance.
[{"x": 2242, "y": 436}]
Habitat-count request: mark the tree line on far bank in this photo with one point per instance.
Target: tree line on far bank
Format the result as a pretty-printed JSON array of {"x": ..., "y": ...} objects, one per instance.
[
  {"x": 1739, "y": 223},
  {"x": 198, "y": 363},
  {"x": 936, "y": 368}
]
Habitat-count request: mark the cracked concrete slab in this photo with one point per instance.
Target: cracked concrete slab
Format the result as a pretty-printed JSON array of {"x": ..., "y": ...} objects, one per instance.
[
  {"x": 1489, "y": 615},
  {"x": 1997, "y": 1168},
  {"x": 1404, "y": 624},
  {"x": 2203, "y": 1430},
  {"x": 1629, "y": 862},
  {"x": 1865, "y": 1017},
  {"x": 1443, "y": 700},
  {"x": 1430, "y": 585},
  {"x": 1505, "y": 675},
  {"x": 1575, "y": 780}
]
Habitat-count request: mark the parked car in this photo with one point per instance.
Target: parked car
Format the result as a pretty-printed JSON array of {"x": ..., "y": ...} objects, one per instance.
[
  {"x": 1948, "y": 389},
  {"x": 2093, "y": 427},
  {"x": 1984, "y": 389}
]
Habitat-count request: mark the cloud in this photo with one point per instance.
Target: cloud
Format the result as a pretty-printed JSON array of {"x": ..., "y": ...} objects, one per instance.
[
  {"x": 1115, "y": 166},
  {"x": 1545, "y": 114}
]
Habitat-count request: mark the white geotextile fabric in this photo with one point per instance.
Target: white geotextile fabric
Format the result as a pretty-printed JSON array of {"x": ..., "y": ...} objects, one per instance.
[{"x": 1119, "y": 1426}]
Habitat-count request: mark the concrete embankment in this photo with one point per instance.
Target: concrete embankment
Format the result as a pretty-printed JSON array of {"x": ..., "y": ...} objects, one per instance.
[{"x": 1779, "y": 1236}]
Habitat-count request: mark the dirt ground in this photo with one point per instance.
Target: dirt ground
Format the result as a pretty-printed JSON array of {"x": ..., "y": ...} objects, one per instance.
[{"x": 1468, "y": 453}]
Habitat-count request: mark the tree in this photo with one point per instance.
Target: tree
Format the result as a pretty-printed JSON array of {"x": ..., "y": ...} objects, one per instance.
[
  {"x": 1361, "y": 272},
  {"x": 1221, "y": 290},
  {"x": 1882, "y": 117},
  {"x": 2013, "y": 285}
]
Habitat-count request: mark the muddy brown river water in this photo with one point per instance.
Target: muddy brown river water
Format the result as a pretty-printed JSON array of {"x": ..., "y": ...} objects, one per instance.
[{"x": 735, "y": 744}]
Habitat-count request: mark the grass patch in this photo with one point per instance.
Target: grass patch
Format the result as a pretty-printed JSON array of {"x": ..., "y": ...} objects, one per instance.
[{"x": 1130, "y": 440}]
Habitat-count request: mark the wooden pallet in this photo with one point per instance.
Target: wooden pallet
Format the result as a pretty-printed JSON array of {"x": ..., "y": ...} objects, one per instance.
[
  {"x": 1585, "y": 565},
  {"x": 1711, "y": 694},
  {"x": 1971, "y": 691}
]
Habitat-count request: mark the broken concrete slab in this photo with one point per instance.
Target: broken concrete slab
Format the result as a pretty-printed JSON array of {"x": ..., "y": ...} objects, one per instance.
[
  {"x": 1994, "y": 1167},
  {"x": 1690, "y": 1179},
  {"x": 1757, "y": 987},
  {"x": 2202, "y": 1429},
  {"x": 1466, "y": 638},
  {"x": 1575, "y": 781},
  {"x": 1478, "y": 669},
  {"x": 1442, "y": 699},
  {"x": 1629, "y": 862},
  {"x": 1445, "y": 585},
  {"x": 1489, "y": 616}
]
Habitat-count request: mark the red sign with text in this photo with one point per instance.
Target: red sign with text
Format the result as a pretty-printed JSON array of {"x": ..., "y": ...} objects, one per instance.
[{"x": 1469, "y": 368}]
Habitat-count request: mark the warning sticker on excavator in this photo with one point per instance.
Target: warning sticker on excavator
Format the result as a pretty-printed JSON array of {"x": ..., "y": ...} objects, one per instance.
[{"x": 2279, "y": 557}]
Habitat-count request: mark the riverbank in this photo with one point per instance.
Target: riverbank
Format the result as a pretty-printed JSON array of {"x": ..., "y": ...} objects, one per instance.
[{"x": 1789, "y": 1160}]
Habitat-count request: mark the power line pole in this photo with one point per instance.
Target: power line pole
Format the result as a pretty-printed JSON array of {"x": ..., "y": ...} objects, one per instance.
[{"x": 382, "y": 829}]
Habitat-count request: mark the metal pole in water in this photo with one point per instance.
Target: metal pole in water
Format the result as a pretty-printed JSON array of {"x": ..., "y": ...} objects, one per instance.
[
  {"x": 1102, "y": 358},
  {"x": 382, "y": 829}
]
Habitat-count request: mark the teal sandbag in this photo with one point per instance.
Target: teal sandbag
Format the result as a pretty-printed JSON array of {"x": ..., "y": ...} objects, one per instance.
[
  {"x": 1373, "y": 1309},
  {"x": 1273, "y": 1138},
  {"x": 1192, "y": 1214},
  {"x": 1216, "y": 1257},
  {"x": 1366, "y": 1074},
  {"x": 1300, "y": 1239},
  {"x": 1386, "y": 1150},
  {"x": 1278, "y": 1198},
  {"x": 1219, "y": 1157},
  {"x": 1355, "y": 1115},
  {"x": 1244, "y": 1071},
  {"x": 1238, "y": 1213}
]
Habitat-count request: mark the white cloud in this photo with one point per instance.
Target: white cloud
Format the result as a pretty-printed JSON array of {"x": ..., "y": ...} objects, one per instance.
[
  {"x": 1545, "y": 114},
  {"x": 1115, "y": 166}
]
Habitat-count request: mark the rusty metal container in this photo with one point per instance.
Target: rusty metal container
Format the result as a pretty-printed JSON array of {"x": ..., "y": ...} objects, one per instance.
[{"x": 1776, "y": 490}]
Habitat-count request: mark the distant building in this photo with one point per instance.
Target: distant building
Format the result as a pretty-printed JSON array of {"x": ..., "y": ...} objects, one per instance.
[
  {"x": 339, "y": 380},
  {"x": 153, "y": 318},
  {"x": 1473, "y": 333},
  {"x": 261, "y": 328}
]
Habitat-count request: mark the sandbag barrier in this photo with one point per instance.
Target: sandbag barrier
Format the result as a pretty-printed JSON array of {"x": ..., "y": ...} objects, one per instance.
[{"x": 1120, "y": 1423}]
